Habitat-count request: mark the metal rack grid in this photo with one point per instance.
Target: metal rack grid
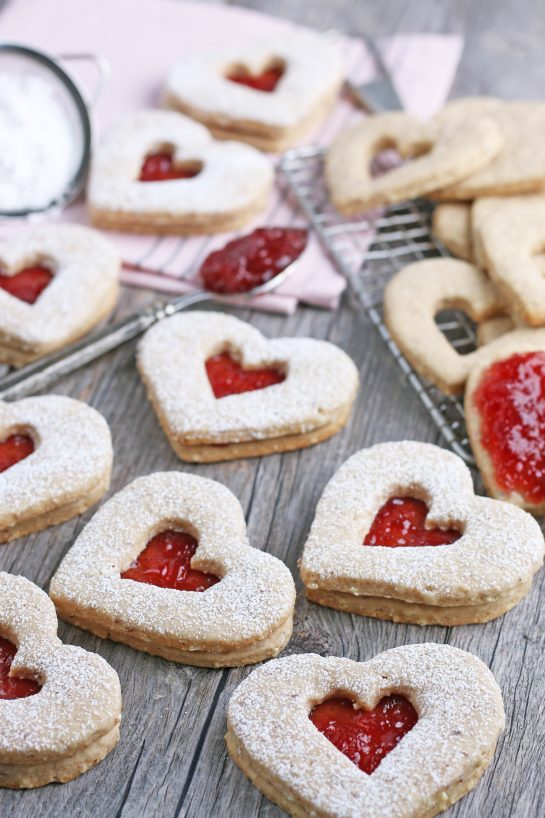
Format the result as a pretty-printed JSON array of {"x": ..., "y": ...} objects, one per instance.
[{"x": 368, "y": 252}]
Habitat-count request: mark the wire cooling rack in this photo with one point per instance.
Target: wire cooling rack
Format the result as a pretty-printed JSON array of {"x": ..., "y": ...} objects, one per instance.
[{"x": 368, "y": 252}]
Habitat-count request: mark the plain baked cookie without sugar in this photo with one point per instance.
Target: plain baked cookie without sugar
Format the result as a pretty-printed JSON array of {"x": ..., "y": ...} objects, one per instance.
[
  {"x": 429, "y": 717},
  {"x": 222, "y": 391}
]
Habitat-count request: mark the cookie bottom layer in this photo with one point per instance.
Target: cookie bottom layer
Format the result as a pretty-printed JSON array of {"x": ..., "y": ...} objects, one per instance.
[
  {"x": 298, "y": 808},
  {"x": 398, "y": 610},
  {"x": 26, "y": 776}
]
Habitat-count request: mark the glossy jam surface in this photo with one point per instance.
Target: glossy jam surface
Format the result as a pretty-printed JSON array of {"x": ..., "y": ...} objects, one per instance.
[
  {"x": 13, "y": 687},
  {"x": 227, "y": 377},
  {"x": 401, "y": 522},
  {"x": 365, "y": 736},
  {"x": 28, "y": 284},
  {"x": 166, "y": 562},
  {"x": 13, "y": 449},
  {"x": 252, "y": 260},
  {"x": 510, "y": 400},
  {"x": 266, "y": 81},
  {"x": 160, "y": 167}
]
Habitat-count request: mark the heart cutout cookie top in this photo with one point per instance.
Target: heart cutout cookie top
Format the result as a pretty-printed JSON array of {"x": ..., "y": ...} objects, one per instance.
[
  {"x": 499, "y": 549},
  {"x": 160, "y": 167},
  {"x": 401, "y": 523},
  {"x": 266, "y": 81},
  {"x": 460, "y": 716},
  {"x": 13, "y": 687},
  {"x": 27, "y": 284},
  {"x": 227, "y": 377},
  {"x": 14, "y": 449}
]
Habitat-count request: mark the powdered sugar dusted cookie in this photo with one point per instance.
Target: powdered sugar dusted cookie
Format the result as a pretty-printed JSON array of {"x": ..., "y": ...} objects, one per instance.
[
  {"x": 417, "y": 294},
  {"x": 165, "y": 566},
  {"x": 400, "y": 534},
  {"x": 62, "y": 708},
  {"x": 268, "y": 93},
  {"x": 160, "y": 172},
  {"x": 55, "y": 462},
  {"x": 222, "y": 391},
  {"x": 56, "y": 282},
  {"x": 451, "y": 224},
  {"x": 439, "y": 153},
  {"x": 428, "y": 716}
]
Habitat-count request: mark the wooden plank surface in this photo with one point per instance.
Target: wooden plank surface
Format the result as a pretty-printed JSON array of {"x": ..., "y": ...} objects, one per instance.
[{"x": 171, "y": 760}]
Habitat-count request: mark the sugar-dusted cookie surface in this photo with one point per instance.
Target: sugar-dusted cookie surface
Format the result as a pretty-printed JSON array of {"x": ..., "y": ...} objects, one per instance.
[
  {"x": 459, "y": 710},
  {"x": 400, "y": 534},
  {"x": 303, "y": 390},
  {"x": 55, "y": 462},
  {"x": 64, "y": 717},
  {"x": 221, "y": 185},
  {"x": 240, "y": 608},
  {"x": 293, "y": 79},
  {"x": 56, "y": 282},
  {"x": 439, "y": 152},
  {"x": 451, "y": 224}
]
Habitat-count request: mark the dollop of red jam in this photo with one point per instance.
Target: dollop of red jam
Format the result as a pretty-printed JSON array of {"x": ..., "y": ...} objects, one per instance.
[
  {"x": 13, "y": 687},
  {"x": 510, "y": 400},
  {"x": 266, "y": 81},
  {"x": 252, "y": 260},
  {"x": 28, "y": 284},
  {"x": 160, "y": 167},
  {"x": 13, "y": 449},
  {"x": 365, "y": 736},
  {"x": 401, "y": 522},
  {"x": 227, "y": 377},
  {"x": 166, "y": 562}
]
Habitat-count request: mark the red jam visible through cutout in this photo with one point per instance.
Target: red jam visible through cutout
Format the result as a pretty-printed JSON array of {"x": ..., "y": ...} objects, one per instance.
[
  {"x": 227, "y": 377},
  {"x": 510, "y": 400},
  {"x": 401, "y": 522},
  {"x": 13, "y": 687},
  {"x": 166, "y": 562},
  {"x": 28, "y": 284},
  {"x": 365, "y": 736},
  {"x": 266, "y": 81},
  {"x": 160, "y": 167},
  {"x": 13, "y": 449},
  {"x": 252, "y": 260}
]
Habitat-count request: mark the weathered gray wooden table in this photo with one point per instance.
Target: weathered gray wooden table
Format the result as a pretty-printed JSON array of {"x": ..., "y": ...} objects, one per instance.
[{"x": 171, "y": 760}]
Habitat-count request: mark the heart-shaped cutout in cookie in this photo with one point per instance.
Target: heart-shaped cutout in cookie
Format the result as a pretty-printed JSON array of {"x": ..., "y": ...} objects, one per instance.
[
  {"x": 243, "y": 618},
  {"x": 484, "y": 570},
  {"x": 455, "y": 699},
  {"x": 27, "y": 284},
  {"x": 265, "y": 81},
  {"x": 166, "y": 562},
  {"x": 401, "y": 523},
  {"x": 160, "y": 167},
  {"x": 13, "y": 449},
  {"x": 65, "y": 708},
  {"x": 310, "y": 387},
  {"x": 227, "y": 376}
]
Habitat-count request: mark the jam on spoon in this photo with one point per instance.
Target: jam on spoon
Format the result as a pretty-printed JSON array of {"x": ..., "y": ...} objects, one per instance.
[
  {"x": 160, "y": 167},
  {"x": 28, "y": 284},
  {"x": 401, "y": 522}
]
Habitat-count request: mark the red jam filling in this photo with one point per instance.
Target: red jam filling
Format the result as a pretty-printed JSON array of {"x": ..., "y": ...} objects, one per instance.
[
  {"x": 365, "y": 736},
  {"x": 13, "y": 449},
  {"x": 166, "y": 562},
  {"x": 401, "y": 522},
  {"x": 252, "y": 260},
  {"x": 510, "y": 400},
  {"x": 227, "y": 377},
  {"x": 266, "y": 81},
  {"x": 160, "y": 167},
  {"x": 28, "y": 284},
  {"x": 13, "y": 687}
]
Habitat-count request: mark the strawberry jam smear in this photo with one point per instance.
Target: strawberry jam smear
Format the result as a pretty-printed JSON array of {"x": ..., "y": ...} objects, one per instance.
[
  {"x": 13, "y": 449},
  {"x": 160, "y": 167},
  {"x": 266, "y": 81},
  {"x": 365, "y": 736},
  {"x": 28, "y": 284},
  {"x": 13, "y": 687},
  {"x": 510, "y": 400},
  {"x": 166, "y": 562},
  {"x": 401, "y": 522},
  {"x": 227, "y": 377},
  {"x": 252, "y": 260}
]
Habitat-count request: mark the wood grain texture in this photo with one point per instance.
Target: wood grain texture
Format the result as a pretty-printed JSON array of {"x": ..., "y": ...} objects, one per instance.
[{"x": 171, "y": 760}]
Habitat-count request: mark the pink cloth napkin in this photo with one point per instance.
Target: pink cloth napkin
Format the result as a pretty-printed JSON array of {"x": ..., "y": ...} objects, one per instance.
[{"x": 141, "y": 41}]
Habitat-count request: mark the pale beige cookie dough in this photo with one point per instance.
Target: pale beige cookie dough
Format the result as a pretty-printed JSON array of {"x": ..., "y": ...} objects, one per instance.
[{"x": 451, "y": 224}]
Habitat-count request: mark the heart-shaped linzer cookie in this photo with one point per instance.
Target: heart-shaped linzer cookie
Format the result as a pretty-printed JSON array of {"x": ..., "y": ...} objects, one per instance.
[
  {"x": 302, "y": 395},
  {"x": 483, "y": 567},
  {"x": 224, "y": 185},
  {"x": 57, "y": 281},
  {"x": 64, "y": 703},
  {"x": 450, "y": 716},
  {"x": 268, "y": 93},
  {"x": 55, "y": 462},
  {"x": 128, "y": 577}
]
